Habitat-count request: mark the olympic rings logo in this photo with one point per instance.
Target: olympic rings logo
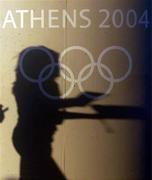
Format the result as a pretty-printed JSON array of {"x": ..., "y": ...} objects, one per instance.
[{"x": 91, "y": 66}]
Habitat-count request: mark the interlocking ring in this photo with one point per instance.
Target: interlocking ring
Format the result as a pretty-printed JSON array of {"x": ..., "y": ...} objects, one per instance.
[
  {"x": 86, "y": 52},
  {"x": 51, "y": 58},
  {"x": 82, "y": 78},
  {"x": 92, "y": 65},
  {"x": 105, "y": 51},
  {"x": 111, "y": 84},
  {"x": 40, "y": 83}
]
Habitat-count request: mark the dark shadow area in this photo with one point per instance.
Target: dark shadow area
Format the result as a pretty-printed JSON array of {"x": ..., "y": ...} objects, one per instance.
[
  {"x": 147, "y": 51},
  {"x": 2, "y": 111},
  {"x": 38, "y": 116},
  {"x": 120, "y": 112},
  {"x": 110, "y": 112}
]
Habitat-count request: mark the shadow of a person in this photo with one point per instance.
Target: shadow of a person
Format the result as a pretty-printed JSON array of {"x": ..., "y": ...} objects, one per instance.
[{"x": 38, "y": 117}]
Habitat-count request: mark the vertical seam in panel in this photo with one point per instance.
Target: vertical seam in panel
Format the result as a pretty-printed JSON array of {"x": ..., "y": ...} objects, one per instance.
[{"x": 64, "y": 129}]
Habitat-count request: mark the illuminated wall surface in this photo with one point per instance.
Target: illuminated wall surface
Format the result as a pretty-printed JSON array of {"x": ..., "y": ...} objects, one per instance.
[{"x": 95, "y": 52}]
